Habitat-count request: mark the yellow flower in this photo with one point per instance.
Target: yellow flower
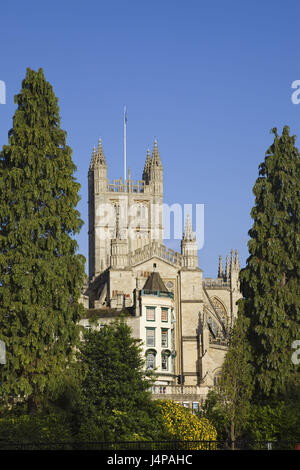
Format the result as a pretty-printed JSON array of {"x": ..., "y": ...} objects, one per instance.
[{"x": 184, "y": 425}]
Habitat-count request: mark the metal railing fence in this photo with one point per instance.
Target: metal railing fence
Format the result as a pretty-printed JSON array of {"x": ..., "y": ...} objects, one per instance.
[{"x": 151, "y": 445}]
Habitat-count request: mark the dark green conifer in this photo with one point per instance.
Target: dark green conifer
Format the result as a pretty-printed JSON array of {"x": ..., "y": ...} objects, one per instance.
[
  {"x": 270, "y": 282},
  {"x": 40, "y": 270}
]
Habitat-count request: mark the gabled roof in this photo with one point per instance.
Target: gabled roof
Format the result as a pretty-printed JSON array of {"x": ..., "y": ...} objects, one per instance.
[{"x": 155, "y": 283}]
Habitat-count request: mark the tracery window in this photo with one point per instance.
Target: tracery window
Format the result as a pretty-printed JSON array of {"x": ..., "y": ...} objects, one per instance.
[{"x": 221, "y": 311}]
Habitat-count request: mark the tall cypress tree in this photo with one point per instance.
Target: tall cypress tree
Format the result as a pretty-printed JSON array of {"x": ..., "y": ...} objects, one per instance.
[
  {"x": 40, "y": 269},
  {"x": 270, "y": 282}
]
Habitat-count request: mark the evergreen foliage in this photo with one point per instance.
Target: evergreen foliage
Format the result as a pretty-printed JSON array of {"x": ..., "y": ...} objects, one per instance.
[
  {"x": 116, "y": 399},
  {"x": 38, "y": 428},
  {"x": 213, "y": 410},
  {"x": 40, "y": 271},
  {"x": 229, "y": 404},
  {"x": 270, "y": 282},
  {"x": 275, "y": 421}
]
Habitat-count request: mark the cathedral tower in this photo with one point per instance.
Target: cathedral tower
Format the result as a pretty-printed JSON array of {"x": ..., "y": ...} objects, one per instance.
[{"x": 139, "y": 207}]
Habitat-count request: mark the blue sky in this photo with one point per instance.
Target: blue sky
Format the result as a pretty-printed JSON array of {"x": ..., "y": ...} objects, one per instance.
[{"x": 208, "y": 80}]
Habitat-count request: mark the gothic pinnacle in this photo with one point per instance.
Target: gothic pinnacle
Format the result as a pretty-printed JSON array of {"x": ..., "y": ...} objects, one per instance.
[
  {"x": 220, "y": 270},
  {"x": 237, "y": 261},
  {"x": 188, "y": 230},
  {"x": 93, "y": 159},
  {"x": 100, "y": 154},
  {"x": 227, "y": 271},
  {"x": 147, "y": 165},
  {"x": 156, "y": 161},
  {"x": 231, "y": 260},
  {"x": 97, "y": 156}
]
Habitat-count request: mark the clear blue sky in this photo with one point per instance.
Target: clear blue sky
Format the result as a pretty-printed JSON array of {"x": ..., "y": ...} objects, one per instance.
[{"x": 208, "y": 80}]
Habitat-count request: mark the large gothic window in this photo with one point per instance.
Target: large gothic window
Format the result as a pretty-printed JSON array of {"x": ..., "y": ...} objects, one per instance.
[{"x": 221, "y": 311}]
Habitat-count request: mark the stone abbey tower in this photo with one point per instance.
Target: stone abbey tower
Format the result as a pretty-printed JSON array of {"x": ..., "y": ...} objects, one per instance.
[{"x": 182, "y": 319}]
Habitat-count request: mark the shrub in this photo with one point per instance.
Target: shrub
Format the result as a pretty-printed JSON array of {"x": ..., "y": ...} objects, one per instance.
[
  {"x": 183, "y": 425},
  {"x": 31, "y": 429}
]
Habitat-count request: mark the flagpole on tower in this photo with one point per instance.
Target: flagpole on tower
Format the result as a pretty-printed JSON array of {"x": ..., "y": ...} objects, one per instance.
[{"x": 125, "y": 124}]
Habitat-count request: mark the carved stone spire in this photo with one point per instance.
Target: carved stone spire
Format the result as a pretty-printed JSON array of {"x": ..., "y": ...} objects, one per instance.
[
  {"x": 220, "y": 270},
  {"x": 231, "y": 261},
  {"x": 147, "y": 166},
  {"x": 189, "y": 246},
  {"x": 237, "y": 261},
  {"x": 227, "y": 271},
  {"x": 156, "y": 172},
  {"x": 156, "y": 161},
  {"x": 100, "y": 154},
  {"x": 93, "y": 159},
  {"x": 188, "y": 234},
  {"x": 98, "y": 157}
]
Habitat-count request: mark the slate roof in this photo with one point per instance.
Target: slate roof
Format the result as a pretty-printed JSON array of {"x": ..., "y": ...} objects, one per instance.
[{"x": 155, "y": 283}]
